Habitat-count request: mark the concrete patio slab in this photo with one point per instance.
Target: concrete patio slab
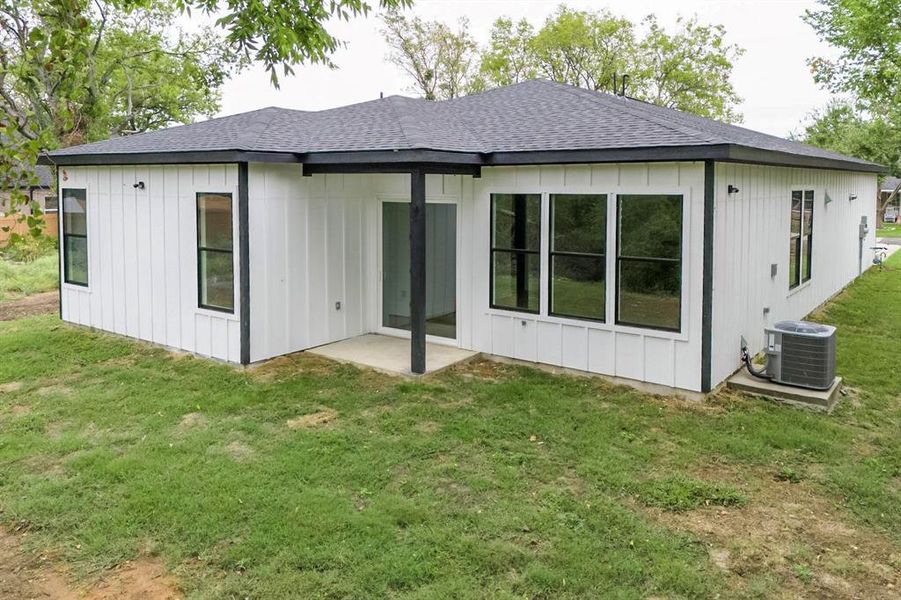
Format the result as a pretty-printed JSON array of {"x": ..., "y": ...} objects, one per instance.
[
  {"x": 390, "y": 355},
  {"x": 824, "y": 400}
]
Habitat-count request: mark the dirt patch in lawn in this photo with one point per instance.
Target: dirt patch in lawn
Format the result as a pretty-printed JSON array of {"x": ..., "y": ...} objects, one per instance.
[
  {"x": 316, "y": 419},
  {"x": 10, "y": 387},
  {"x": 291, "y": 365},
  {"x": 36, "y": 304},
  {"x": 793, "y": 537},
  {"x": 36, "y": 575},
  {"x": 190, "y": 421}
]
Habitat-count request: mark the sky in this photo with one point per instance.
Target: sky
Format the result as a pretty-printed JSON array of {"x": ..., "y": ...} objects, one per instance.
[{"x": 772, "y": 76}]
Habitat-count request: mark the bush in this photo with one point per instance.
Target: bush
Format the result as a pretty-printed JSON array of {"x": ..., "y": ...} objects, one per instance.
[{"x": 28, "y": 248}]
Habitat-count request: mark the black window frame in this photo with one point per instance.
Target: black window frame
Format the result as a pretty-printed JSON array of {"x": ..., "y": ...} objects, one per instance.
[
  {"x": 201, "y": 249},
  {"x": 679, "y": 261},
  {"x": 803, "y": 241},
  {"x": 518, "y": 252},
  {"x": 552, "y": 252},
  {"x": 67, "y": 235}
]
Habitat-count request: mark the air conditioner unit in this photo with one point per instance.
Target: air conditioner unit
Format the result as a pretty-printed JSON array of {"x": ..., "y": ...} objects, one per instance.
[{"x": 801, "y": 354}]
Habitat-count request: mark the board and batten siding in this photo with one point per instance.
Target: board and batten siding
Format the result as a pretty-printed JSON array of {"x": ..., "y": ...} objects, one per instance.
[
  {"x": 315, "y": 253},
  {"x": 667, "y": 358},
  {"x": 142, "y": 256},
  {"x": 751, "y": 233}
]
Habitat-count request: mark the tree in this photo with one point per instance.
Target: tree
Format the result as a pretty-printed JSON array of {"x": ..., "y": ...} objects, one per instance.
[
  {"x": 76, "y": 70},
  {"x": 508, "y": 59},
  {"x": 584, "y": 49},
  {"x": 689, "y": 70},
  {"x": 843, "y": 128},
  {"x": 867, "y": 34},
  {"x": 439, "y": 61}
]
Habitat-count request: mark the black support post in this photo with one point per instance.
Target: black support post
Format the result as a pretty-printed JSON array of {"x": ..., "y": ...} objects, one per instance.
[
  {"x": 417, "y": 271},
  {"x": 520, "y": 218}
]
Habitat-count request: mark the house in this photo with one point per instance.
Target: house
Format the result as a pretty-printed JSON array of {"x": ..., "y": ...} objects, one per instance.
[
  {"x": 42, "y": 192},
  {"x": 890, "y": 190},
  {"x": 538, "y": 221}
]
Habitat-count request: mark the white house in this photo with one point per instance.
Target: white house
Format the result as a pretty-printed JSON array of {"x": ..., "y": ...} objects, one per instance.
[{"x": 539, "y": 222}]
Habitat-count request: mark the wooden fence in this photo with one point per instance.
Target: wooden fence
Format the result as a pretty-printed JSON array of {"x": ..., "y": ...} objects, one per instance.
[{"x": 51, "y": 229}]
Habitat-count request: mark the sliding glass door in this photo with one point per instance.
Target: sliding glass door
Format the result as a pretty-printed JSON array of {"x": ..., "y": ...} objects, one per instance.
[{"x": 441, "y": 268}]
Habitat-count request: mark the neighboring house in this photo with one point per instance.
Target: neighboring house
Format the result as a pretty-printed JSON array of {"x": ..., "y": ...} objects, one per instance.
[
  {"x": 43, "y": 191},
  {"x": 564, "y": 226},
  {"x": 891, "y": 210}
]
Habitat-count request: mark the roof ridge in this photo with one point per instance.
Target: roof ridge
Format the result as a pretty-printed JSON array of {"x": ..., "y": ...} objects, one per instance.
[{"x": 604, "y": 97}]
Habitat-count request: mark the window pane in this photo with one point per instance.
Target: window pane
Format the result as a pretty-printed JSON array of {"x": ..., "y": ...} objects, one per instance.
[
  {"x": 216, "y": 279},
  {"x": 517, "y": 221},
  {"x": 516, "y": 280},
  {"x": 805, "y": 262},
  {"x": 74, "y": 206},
  {"x": 650, "y": 226},
  {"x": 215, "y": 221},
  {"x": 808, "y": 216},
  {"x": 577, "y": 288},
  {"x": 649, "y": 293},
  {"x": 796, "y": 212},
  {"x": 579, "y": 223},
  {"x": 75, "y": 256},
  {"x": 793, "y": 269}
]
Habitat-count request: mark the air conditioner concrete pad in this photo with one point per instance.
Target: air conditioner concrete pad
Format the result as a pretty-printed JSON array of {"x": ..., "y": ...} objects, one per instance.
[{"x": 824, "y": 400}]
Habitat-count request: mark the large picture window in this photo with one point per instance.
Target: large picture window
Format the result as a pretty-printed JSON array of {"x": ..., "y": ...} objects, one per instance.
[
  {"x": 578, "y": 255},
  {"x": 515, "y": 251},
  {"x": 800, "y": 251},
  {"x": 215, "y": 265},
  {"x": 649, "y": 261},
  {"x": 75, "y": 236}
]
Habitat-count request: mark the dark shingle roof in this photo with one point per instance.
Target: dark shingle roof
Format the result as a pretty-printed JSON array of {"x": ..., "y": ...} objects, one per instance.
[
  {"x": 532, "y": 116},
  {"x": 889, "y": 184}
]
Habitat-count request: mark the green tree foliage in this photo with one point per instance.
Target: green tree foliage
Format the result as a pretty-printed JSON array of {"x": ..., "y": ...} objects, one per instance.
[
  {"x": 688, "y": 69},
  {"x": 78, "y": 70},
  {"x": 440, "y": 61},
  {"x": 508, "y": 58},
  {"x": 867, "y": 34},
  {"x": 584, "y": 49}
]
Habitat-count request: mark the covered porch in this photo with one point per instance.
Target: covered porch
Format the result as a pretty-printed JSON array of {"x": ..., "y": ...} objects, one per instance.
[{"x": 415, "y": 307}]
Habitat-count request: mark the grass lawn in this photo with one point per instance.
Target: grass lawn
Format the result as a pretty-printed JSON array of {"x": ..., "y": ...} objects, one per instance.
[
  {"x": 889, "y": 231},
  {"x": 303, "y": 478},
  {"x": 19, "y": 279}
]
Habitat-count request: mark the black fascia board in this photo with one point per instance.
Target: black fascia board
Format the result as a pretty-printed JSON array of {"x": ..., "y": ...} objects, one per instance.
[{"x": 440, "y": 161}]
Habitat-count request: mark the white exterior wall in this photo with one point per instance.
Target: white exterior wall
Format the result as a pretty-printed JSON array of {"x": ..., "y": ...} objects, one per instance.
[
  {"x": 751, "y": 232},
  {"x": 142, "y": 256},
  {"x": 666, "y": 358}
]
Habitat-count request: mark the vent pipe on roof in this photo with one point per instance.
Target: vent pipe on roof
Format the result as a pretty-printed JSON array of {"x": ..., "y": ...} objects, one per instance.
[
  {"x": 381, "y": 95},
  {"x": 624, "y": 80}
]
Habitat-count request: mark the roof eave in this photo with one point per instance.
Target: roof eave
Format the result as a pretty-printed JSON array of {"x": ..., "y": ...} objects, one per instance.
[{"x": 410, "y": 158}]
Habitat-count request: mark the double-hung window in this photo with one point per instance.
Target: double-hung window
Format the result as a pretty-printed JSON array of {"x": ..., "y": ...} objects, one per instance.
[
  {"x": 75, "y": 236},
  {"x": 800, "y": 250},
  {"x": 515, "y": 251},
  {"x": 215, "y": 263},
  {"x": 578, "y": 255},
  {"x": 649, "y": 261}
]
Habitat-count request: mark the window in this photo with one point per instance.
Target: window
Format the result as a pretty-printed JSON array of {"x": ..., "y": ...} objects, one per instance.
[
  {"x": 515, "y": 245},
  {"x": 215, "y": 266},
  {"x": 51, "y": 204},
  {"x": 75, "y": 236},
  {"x": 800, "y": 251},
  {"x": 578, "y": 255},
  {"x": 649, "y": 261}
]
